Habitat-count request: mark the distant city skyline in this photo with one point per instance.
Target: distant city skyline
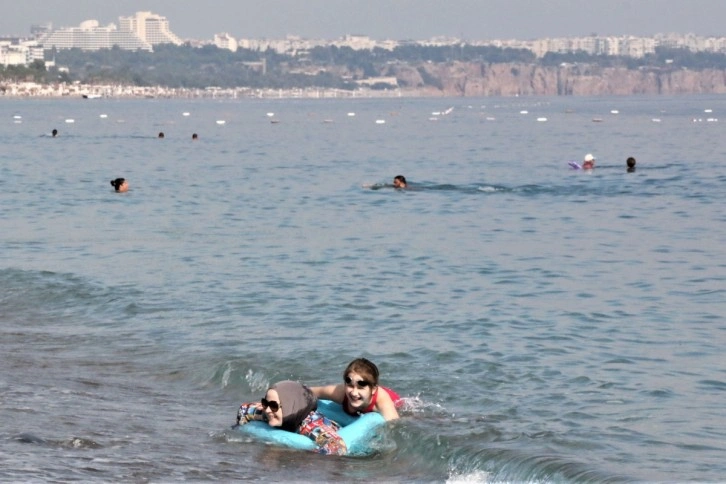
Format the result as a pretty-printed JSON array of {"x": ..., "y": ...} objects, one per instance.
[{"x": 390, "y": 19}]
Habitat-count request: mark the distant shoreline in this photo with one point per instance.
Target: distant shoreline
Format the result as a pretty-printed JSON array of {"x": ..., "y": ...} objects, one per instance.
[
  {"x": 458, "y": 80},
  {"x": 90, "y": 93}
]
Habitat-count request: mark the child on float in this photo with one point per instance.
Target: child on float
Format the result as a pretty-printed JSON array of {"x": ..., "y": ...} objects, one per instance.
[
  {"x": 360, "y": 392},
  {"x": 291, "y": 406}
]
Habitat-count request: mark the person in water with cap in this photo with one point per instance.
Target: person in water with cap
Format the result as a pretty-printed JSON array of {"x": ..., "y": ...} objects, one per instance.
[
  {"x": 589, "y": 162},
  {"x": 291, "y": 406},
  {"x": 360, "y": 392}
]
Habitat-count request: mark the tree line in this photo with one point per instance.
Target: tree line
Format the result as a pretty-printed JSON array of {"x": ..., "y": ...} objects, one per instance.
[{"x": 323, "y": 66}]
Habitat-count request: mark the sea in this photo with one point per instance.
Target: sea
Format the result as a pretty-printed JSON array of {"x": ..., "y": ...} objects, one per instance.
[{"x": 543, "y": 324}]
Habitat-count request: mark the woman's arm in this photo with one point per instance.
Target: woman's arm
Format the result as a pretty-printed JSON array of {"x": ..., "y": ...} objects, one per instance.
[
  {"x": 385, "y": 405},
  {"x": 248, "y": 412},
  {"x": 335, "y": 393}
]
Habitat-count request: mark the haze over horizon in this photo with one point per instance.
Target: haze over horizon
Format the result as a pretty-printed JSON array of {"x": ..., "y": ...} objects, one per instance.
[{"x": 381, "y": 19}]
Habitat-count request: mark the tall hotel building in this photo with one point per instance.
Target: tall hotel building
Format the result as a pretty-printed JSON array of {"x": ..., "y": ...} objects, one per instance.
[{"x": 139, "y": 32}]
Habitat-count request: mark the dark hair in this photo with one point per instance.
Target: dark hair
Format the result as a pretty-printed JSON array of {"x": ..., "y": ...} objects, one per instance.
[
  {"x": 630, "y": 162},
  {"x": 363, "y": 367},
  {"x": 54, "y": 132},
  {"x": 161, "y": 134},
  {"x": 400, "y": 178},
  {"x": 116, "y": 184}
]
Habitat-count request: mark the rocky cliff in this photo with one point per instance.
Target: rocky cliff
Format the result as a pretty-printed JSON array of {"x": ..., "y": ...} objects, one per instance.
[{"x": 480, "y": 79}]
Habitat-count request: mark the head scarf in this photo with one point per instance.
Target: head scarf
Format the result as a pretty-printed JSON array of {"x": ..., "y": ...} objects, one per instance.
[{"x": 297, "y": 402}]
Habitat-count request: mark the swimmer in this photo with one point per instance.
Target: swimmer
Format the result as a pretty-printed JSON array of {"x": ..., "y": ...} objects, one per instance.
[
  {"x": 630, "y": 162},
  {"x": 589, "y": 162},
  {"x": 120, "y": 185},
  {"x": 291, "y": 406},
  {"x": 161, "y": 134},
  {"x": 360, "y": 393},
  {"x": 54, "y": 133},
  {"x": 194, "y": 136},
  {"x": 399, "y": 181}
]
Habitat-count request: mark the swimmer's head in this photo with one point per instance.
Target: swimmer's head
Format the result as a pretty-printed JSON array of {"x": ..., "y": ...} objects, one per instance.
[
  {"x": 194, "y": 136},
  {"x": 54, "y": 132},
  {"x": 120, "y": 184},
  {"x": 630, "y": 162},
  {"x": 399, "y": 181},
  {"x": 161, "y": 134},
  {"x": 364, "y": 368}
]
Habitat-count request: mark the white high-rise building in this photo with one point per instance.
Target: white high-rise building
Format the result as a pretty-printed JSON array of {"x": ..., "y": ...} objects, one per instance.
[
  {"x": 225, "y": 41},
  {"x": 150, "y": 27},
  {"x": 90, "y": 36},
  {"x": 139, "y": 32}
]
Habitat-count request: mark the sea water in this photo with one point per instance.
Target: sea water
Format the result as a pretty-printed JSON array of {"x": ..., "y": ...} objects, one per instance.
[{"x": 543, "y": 324}]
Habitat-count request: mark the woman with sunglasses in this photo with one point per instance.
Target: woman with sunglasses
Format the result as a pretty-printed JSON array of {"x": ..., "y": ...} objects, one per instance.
[
  {"x": 360, "y": 393},
  {"x": 292, "y": 406}
]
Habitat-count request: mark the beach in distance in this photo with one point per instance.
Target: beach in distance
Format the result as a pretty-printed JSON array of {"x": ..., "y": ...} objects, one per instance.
[{"x": 542, "y": 323}]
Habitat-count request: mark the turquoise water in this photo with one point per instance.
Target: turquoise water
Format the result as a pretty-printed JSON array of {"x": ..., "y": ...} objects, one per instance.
[{"x": 544, "y": 324}]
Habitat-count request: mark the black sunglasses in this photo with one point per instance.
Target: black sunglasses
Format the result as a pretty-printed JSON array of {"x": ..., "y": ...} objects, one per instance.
[
  {"x": 274, "y": 406},
  {"x": 360, "y": 383}
]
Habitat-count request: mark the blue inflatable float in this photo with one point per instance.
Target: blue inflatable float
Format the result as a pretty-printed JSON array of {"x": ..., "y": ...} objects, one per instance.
[{"x": 358, "y": 432}]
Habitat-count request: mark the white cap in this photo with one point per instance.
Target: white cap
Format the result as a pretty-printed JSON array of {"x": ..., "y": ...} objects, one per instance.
[{"x": 589, "y": 157}]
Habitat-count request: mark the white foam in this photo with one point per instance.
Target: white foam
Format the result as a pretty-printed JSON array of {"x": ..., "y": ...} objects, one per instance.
[{"x": 475, "y": 476}]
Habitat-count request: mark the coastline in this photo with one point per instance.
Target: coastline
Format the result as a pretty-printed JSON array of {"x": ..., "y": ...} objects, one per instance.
[
  {"x": 23, "y": 90},
  {"x": 455, "y": 80}
]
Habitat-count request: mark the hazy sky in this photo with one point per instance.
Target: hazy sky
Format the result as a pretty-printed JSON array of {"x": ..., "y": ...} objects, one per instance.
[{"x": 385, "y": 19}]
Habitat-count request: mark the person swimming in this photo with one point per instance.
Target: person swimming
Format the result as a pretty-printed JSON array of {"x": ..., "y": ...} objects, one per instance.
[
  {"x": 399, "y": 181},
  {"x": 120, "y": 185},
  {"x": 54, "y": 133},
  {"x": 630, "y": 163},
  {"x": 291, "y": 406},
  {"x": 589, "y": 162},
  {"x": 360, "y": 391},
  {"x": 160, "y": 135}
]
